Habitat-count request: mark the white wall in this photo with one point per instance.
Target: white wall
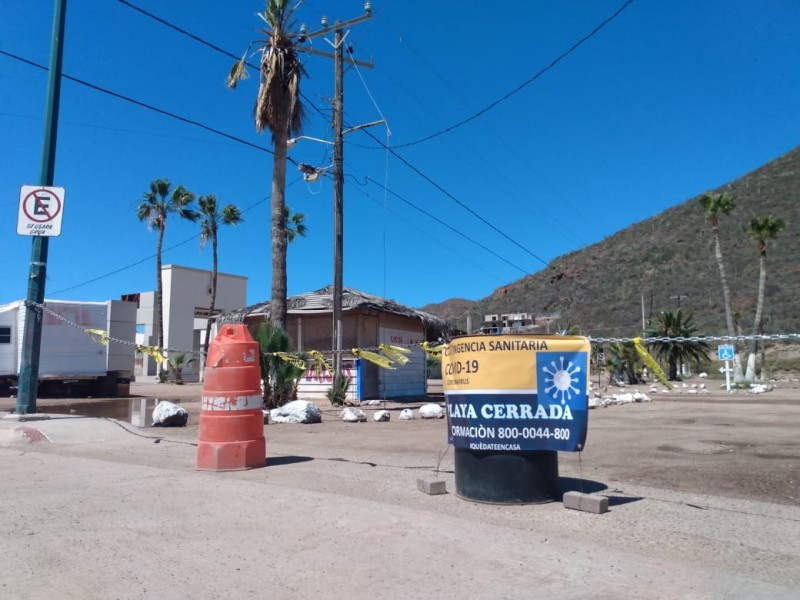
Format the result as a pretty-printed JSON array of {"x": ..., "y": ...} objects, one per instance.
[
  {"x": 184, "y": 290},
  {"x": 68, "y": 350},
  {"x": 314, "y": 386},
  {"x": 121, "y": 326},
  {"x": 9, "y": 352}
]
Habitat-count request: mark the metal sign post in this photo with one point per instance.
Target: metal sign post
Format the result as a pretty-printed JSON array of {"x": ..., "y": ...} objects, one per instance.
[
  {"x": 41, "y": 211},
  {"x": 726, "y": 354}
]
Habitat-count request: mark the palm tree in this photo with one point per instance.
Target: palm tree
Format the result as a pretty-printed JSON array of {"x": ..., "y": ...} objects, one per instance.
[
  {"x": 672, "y": 325},
  {"x": 279, "y": 378},
  {"x": 715, "y": 205},
  {"x": 278, "y": 109},
  {"x": 210, "y": 220},
  {"x": 761, "y": 229},
  {"x": 622, "y": 359},
  {"x": 156, "y": 205},
  {"x": 295, "y": 225}
]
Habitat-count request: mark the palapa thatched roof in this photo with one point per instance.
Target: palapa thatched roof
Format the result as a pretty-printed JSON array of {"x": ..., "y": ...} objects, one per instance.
[{"x": 321, "y": 301}]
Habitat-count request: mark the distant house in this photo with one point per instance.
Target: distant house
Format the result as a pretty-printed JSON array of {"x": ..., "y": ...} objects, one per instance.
[
  {"x": 187, "y": 299},
  {"x": 367, "y": 321},
  {"x": 517, "y": 323}
]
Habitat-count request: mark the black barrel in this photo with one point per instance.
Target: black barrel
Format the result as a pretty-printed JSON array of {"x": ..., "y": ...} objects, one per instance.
[{"x": 507, "y": 477}]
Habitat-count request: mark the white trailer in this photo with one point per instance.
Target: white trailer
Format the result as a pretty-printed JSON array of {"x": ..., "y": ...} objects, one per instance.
[{"x": 70, "y": 361}]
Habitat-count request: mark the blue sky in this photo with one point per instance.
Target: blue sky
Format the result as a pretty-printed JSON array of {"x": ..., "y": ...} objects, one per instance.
[{"x": 666, "y": 101}]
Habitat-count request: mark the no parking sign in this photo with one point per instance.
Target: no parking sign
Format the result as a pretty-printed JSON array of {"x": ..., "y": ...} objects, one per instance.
[{"x": 41, "y": 210}]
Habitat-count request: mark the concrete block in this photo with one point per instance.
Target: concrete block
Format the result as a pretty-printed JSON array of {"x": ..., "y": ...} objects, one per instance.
[
  {"x": 432, "y": 487},
  {"x": 586, "y": 502},
  {"x": 572, "y": 500},
  {"x": 594, "y": 504}
]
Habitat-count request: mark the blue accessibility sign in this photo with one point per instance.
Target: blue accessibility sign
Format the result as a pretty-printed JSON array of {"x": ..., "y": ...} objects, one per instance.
[{"x": 725, "y": 352}]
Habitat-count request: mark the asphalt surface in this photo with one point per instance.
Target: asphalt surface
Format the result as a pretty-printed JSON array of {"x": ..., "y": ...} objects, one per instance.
[{"x": 704, "y": 503}]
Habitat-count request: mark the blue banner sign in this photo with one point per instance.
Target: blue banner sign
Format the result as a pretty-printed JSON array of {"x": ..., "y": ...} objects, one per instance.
[{"x": 512, "y": 393}]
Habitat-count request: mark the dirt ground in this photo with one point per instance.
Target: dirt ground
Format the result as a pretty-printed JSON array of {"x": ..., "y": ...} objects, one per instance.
[{"x": 704, "y": 503}]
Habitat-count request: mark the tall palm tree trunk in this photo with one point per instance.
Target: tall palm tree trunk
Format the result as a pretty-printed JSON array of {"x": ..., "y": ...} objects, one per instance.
[
  {"x": 213, "y": 292},
  {"x": 278, "y": 302},
  {"x": 726, "y": 295},
  {"x": 750, "y": 374},
  {"x": 159, "y": 293}
]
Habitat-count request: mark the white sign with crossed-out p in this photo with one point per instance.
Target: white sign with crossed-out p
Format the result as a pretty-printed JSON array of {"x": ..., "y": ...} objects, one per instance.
[{"x": 41, "y": 210}]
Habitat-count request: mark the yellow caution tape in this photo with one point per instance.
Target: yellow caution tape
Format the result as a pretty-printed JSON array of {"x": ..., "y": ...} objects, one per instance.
[
  {"x": 650, "y": 362},
  {"x": 98, "y": 335},
  {"x": 319, "y": 361},
  {"x": 154, "y": 351},
  {"x": 435, "y": 351},
  {"x": 292, "y": 359},
  {"x": 373, "y": 357},
  {"x": 395, "y": 353}
]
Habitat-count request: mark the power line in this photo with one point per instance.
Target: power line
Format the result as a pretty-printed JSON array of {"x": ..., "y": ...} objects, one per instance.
[
  {"x": 526, "y": 83},
  {"x": 450, "y": 227},
  {"x": 179, "y": 30},
  {"x": 138, "y": 262},
  {"x": 456, "y": 200},
  {"x": 385, "y": 146},
  {"x": 416, "y": 226},
  {"x": 147, "y": 106},
  {"x": 289, "y": 159},
  {"x": 240, "y": 140}
]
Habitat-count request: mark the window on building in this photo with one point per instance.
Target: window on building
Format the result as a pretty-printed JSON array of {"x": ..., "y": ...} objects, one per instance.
[{"x": 5, "y": 335}]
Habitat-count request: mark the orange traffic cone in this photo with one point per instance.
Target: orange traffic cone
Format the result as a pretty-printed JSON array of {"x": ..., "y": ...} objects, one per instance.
[{"x": 231, "y": 421}]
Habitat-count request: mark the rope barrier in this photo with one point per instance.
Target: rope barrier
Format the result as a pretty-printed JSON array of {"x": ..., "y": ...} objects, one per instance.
[{"x": 386, "y": 356}]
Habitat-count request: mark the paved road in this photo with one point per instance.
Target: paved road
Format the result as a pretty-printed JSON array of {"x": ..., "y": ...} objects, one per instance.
[{"x": 704, "y": 504}]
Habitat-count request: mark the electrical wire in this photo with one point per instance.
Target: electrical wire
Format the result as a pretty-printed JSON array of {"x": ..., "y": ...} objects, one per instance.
[
  {"x": 456, "y": 200},
  {"x": 524, "y": 84},
  {"x": 139, "y": 103},
  {"x": 416, "y": 226},
  {"x": 152, "y": 256},
  {"x": 386, "y": 146},
  {"x": 450, "y": 227}
]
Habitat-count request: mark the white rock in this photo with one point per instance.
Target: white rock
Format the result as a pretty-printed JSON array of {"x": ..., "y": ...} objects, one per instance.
[
  {"x": 665, "y": 391},
  {"x": 168, "y": 414},
  {"x": 760, "y": 388},
  {"x": 431, "y": 411},
  {"x": 640, "y": 397},
  {"x": 296, "y": 411},
  {"x": 702, "y": 386},
  {"x": 406, "y": 414},
  {"x": 624, "y": 398},
  {"x": 382, "y": 415},
  {"x": 703, "y": 375},
  {"x": 694, "y": 386},
  {"x": 684, "y": 386},
  {"x": 353, "y": 415},
  {"x": 593, "y": 402},
  {"x": 692, "y": 392},
  {"x": 373, "y": 403}
]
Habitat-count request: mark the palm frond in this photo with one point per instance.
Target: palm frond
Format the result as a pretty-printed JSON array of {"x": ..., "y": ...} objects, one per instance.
[{"x": 237, "y": 73}]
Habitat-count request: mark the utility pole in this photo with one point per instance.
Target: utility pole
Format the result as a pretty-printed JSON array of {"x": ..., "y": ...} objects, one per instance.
[
  {"x": 32, "y": 339},
  {"x": 338, "y": 199},
  {"x": 338, "y": 162}
]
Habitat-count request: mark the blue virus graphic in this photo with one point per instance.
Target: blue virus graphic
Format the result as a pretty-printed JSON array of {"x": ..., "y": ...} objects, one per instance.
[{"x": 561, "y": 375}]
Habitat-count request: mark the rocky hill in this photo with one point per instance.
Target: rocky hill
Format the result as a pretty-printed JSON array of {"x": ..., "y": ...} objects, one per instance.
[{"x": 600, "y": 288}]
